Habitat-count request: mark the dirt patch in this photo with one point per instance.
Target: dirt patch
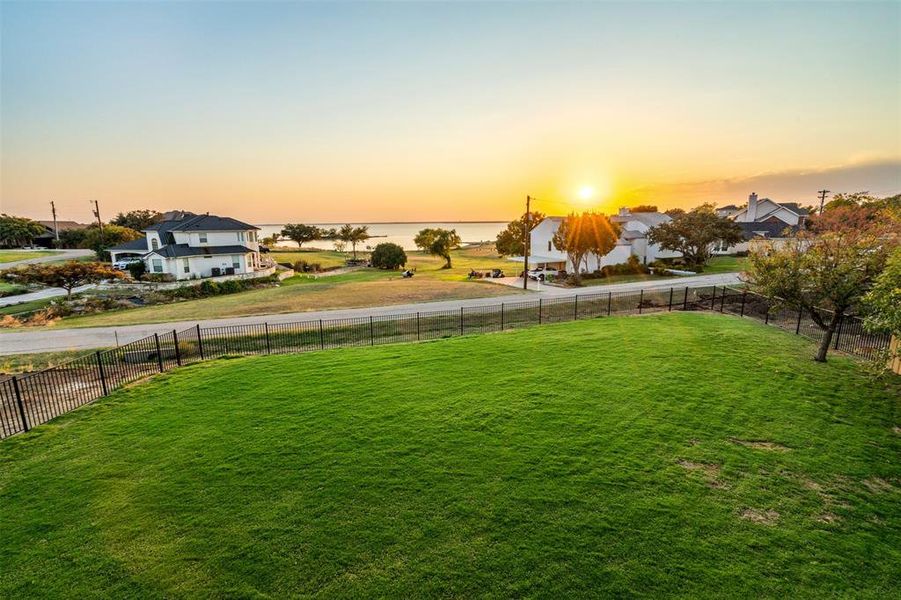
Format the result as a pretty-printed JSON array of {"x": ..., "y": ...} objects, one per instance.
[
  {"x": 810, "y": 484},
  {"x": 877, "y": 485},
  {"x": 694, "y": 442},
  {"x": 709, "y": 469},
  {"x": 763, "y": 517},
  {"x": 896, "y": 430},
  {"x": 828, "y": 518},
  {"x": 760, "y": 445}
]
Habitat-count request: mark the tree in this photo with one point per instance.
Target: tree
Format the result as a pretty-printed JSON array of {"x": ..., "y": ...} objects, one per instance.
[
  {"x": 510, "y": 241},
  {"x": 388, "y": 256},
  {"x": 643, "y": 208},
  {"x": 18, "y": 231},
  {"x": 353, "y": 236},
  {"x": 139, "y": 220},
  {"x": 883, "y": 302},
  {"x": 67, "y": 275},
  {"x": 674, "y": 212},
  {"x": 694, "y": 233},
  {"x": 72, "y": 238},
  {"x": 438, "y": 242},
  {"x": 271, "y": 240},
  {"x": 111, "y": 235},
  {"x": 821, "y": 276},
  {"x": 581, "y": 235},
  {"x": 300, "y": 233}
]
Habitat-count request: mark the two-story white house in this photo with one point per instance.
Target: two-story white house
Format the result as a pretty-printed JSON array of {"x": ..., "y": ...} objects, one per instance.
[
  {"x": 633, "y": 241},
  {"x": 762, "y": 219},
  {"x": 188, "y": 246}
]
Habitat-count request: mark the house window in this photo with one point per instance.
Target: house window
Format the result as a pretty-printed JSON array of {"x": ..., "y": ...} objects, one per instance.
[
  {"x": 154, "y": 244},
  {"x": 236, "y": 262},
  {"x": 240, "y": 236},
  {"x": 157, "y": 265},
  {"x": 549, "y": 246},
  {"x": 202, "y": 238},
  {"x": 185, "y": 265}
]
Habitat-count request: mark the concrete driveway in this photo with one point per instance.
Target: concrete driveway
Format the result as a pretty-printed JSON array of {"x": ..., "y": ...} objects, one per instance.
[{"x": 49, "y": 339}]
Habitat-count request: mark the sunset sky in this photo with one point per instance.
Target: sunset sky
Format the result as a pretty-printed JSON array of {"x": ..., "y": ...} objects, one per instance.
[{"x": 378, "y": 112}]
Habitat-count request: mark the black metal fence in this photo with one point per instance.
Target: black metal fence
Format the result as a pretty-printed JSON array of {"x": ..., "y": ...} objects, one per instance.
[{"x": 33, "y": 398}]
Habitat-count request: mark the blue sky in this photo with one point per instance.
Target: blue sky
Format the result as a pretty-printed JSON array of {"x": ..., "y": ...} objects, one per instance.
[{"x": 360, "y": 111}]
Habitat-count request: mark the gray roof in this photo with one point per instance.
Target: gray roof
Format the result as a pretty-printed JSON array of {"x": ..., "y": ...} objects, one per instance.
[
  {"x": 138, "y": 244},
  {"x": 201, "y": 223},
  {"x": 794, "y": 207},
  {"x": 183, "y": 250},
  {"x": 767, "y": 230},
  {"x": 648, "y": 218}
]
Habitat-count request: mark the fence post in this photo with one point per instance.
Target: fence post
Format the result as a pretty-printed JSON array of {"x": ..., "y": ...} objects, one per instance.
[
  {"x": 177, "y": 350},
  {"x": 321, "y": 336},
  {"x": 670, "y": 309},
  {"x": 461, "y": 320},
  {"x": 417, "y": 327},
  {"x": 268, "y": 342},
  {"x": 576, "y": 308},
  {"x": 502, "y": 316},
  {"x": 609, "y": 302},
  {"x": 102, "y": 374},
  {"x": 798, "y": 326},
  {"x": 640, "y": 299},
  {"x": 766, "y": 315},
  {"x": 159, "y": 351},
  {"x": 371, "y": 332},
  {"x": 723, "y": 300},
  {"x": 713, "y": 299},
  {"x": 19, "y": 403},
  {"x": 685, "y": 299},
  {"x": 744, "y": 296},
  {"x": 539, "y": 311},
  {"x": 199, "y": 342},
  {"x": 838, "y": 334}
]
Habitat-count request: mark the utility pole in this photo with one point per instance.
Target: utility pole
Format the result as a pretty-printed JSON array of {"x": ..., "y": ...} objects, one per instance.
[
  {"x": 99, "y": 222},
  {"x": 526, "y": 229},
  {"x": 822, "y": 194},
  {"x": 55, "y": 226}
]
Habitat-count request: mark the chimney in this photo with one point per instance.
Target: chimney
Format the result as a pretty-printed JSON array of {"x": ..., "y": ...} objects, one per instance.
[
  {"x": 752, "y": 207},
  {"x": 624, "y": 212}
]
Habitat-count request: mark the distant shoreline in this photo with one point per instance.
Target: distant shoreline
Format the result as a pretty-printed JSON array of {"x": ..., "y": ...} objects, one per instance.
[{"x": 386, "y": 223}]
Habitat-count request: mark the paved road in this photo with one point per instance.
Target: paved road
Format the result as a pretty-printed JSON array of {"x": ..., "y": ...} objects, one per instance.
[
  {"x": 46, "y": 340},
  {"x": 48, "y": 292}
]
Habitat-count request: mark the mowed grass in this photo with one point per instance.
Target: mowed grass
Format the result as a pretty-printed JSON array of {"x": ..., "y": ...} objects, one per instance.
[
  {"x": 680, "y": 454},
  {"x": 8, "y": 256}
]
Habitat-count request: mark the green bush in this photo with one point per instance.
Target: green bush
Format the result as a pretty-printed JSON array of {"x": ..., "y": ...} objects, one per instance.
[
  {"x": 137, "y": 270},
  {"x": 388, "y": 256}
]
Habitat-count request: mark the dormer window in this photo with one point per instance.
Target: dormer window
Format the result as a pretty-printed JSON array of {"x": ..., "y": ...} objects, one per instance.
[
  {"x": 203, "y": 239},
  {"x": 154, "y": 244},
  {"x": 240, "y": 236}
]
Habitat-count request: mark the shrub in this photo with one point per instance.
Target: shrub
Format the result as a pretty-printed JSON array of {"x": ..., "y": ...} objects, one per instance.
[
  {"x": 137, "y": 270},
  {"x": 388, "y": 256},
  {"x": 302, "y": 266}
]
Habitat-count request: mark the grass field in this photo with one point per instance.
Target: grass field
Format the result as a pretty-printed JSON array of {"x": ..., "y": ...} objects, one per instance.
[
  {"x": 680, "y": 454},
  {"x": 367, "y": 287},
  {"x": 725, "y": 264},
  {"x": 8, "y": 256}
]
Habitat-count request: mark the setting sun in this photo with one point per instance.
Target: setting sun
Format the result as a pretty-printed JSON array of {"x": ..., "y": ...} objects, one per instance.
[{"x": 586, "y": 193}]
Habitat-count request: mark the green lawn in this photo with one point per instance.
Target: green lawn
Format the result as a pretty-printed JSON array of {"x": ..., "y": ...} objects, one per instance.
[
  {"x": 365, "y": 287},
  {"x": 725, "y": 264},
  {"x": 705, "y": 456},
  {"x": 7, "y": 256}
]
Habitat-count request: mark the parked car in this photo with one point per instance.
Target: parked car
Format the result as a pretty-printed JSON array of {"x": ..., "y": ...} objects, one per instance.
[
  {"x": 542, "y": 273},
  {"x": 122, "y": 265}
]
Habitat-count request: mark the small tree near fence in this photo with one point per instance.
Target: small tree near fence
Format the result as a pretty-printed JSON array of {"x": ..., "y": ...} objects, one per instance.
[
  {"x": 823, "y": 277},
  {"x": 67, "y": 276}
]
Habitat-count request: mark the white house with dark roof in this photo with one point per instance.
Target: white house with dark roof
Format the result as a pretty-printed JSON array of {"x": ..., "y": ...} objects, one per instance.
[
  {"x": 763, "y": 219},
  {"x": 189, "y": 246},
  {"x": 633, "y": 241}
]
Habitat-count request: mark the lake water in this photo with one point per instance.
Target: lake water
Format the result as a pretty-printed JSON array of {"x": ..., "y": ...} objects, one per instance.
[{"x": 401, "y": 234}]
